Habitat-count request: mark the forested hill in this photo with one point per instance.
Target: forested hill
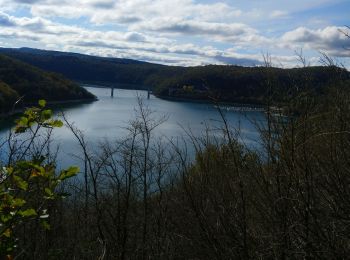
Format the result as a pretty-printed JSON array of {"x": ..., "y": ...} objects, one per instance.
[
  {"x": 92, "y": 69},
  {"x": 253, "y": 85},
  {"x": 18, "y": 79},
  {"x": 223, "y": 82}
]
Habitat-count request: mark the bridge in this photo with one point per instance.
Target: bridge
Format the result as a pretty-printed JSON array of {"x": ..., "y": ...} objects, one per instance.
[{"x": 149, "y": 92}]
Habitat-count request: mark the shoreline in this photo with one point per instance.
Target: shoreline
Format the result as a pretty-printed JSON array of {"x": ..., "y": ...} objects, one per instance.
[
  {"x": 255, "y": 107},
  {"x": 99, "y": 84},
  {"x": 70, "y": 101},
  {"x": 249, "y": 106}
]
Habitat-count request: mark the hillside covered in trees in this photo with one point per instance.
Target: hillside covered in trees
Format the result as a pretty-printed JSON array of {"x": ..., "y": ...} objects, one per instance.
[
  {"x": 224, "y": 83},
  {"x": 19, "y": 80},
  {"x": 254, "y": 85},
  {"x": 91, "y": 69}
]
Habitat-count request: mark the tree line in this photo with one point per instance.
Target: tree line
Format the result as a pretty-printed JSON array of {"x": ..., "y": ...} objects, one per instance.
[
  {"x": 224, "y": 83},
  {"x": 22, "y": 82}
]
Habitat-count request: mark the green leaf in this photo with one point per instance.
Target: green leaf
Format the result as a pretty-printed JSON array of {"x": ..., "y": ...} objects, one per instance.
[
  {"x": 70, "y": 172},
  {"x": 7, "y": 232},
  {"x": 18, "y": 202},
  {"x": 42, "y": 103},
  {"x": 22, "y": 184},
  {"x": 27, "y": 213},
  {"x": 23, "y": 121},
  {"x": 45, "y": 225},
  {"x": 56, "y": 123},
  {"x": 49, "y": 192},
  {"x": 39, "y": 171},
  {"x": 46, "y": 114},
  {"x": 5, "y": 218},
  {"x": 21, "y": 125}
]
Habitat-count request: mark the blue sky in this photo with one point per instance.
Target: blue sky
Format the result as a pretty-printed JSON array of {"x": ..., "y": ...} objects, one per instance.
[{"x": 182, "y": 32}]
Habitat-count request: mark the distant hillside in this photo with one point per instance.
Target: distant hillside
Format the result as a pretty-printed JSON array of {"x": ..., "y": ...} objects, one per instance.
[
  {"x": 252, "y": 85},
  {"x": 91, "y": 69},
  {"x": 18, "y": 79},
  {"x": 226, "y": 83}
]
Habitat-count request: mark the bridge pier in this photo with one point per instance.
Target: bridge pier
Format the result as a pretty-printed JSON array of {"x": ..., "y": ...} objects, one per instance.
[{"x": 149, "y": 92}]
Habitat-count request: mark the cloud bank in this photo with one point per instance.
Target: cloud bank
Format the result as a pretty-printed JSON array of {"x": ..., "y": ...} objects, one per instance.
[{"x": 183, "y": 32}]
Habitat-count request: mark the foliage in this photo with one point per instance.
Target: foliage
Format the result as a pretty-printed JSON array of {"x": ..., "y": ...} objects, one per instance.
[
  {"x": 20, "y": 79},
  {"x": 27, "y": 187},
  {"x": 250, "y": 85},
  {"x": 145, "y": 198},
  {"x": 226, "y": 83},
  {"x": 8, "y": 96}
]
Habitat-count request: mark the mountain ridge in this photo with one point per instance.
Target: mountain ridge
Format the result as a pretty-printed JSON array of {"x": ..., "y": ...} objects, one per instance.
[{"x": 223, "y": 83}]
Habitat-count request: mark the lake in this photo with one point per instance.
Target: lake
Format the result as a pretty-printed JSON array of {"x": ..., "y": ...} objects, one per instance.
[{"x": 108, "y": 117}]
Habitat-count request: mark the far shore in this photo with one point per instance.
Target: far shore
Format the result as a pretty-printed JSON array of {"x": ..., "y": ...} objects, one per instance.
[
  {"x": 250, "y": 106},
  {"x": 257, "y": 107}
]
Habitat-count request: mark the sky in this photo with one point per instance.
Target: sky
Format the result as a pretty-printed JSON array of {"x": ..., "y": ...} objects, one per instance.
[{"x": 183, "y": 32}]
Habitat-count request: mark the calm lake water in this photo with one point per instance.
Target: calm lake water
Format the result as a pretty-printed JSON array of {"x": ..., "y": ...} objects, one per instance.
[{"x": 108, "y": 117}]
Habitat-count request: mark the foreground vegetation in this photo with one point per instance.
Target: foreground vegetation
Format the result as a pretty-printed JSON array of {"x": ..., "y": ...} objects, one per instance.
[
  {"x": 141, "y": 197},
  {"x": 29, "y": 180}
]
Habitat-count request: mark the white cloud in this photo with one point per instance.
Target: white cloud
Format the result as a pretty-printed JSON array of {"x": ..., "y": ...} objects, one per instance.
[
  {"x": 233, "y": 33},
  {"x": 193, "y": 27},
  {"x": 330, "y": 39},
  {"x": 135, "y": 37},
  {"x": 131, "y": 11},
  {"x": 277, "y": 14},
  {"x": 168, "y": 31}
]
